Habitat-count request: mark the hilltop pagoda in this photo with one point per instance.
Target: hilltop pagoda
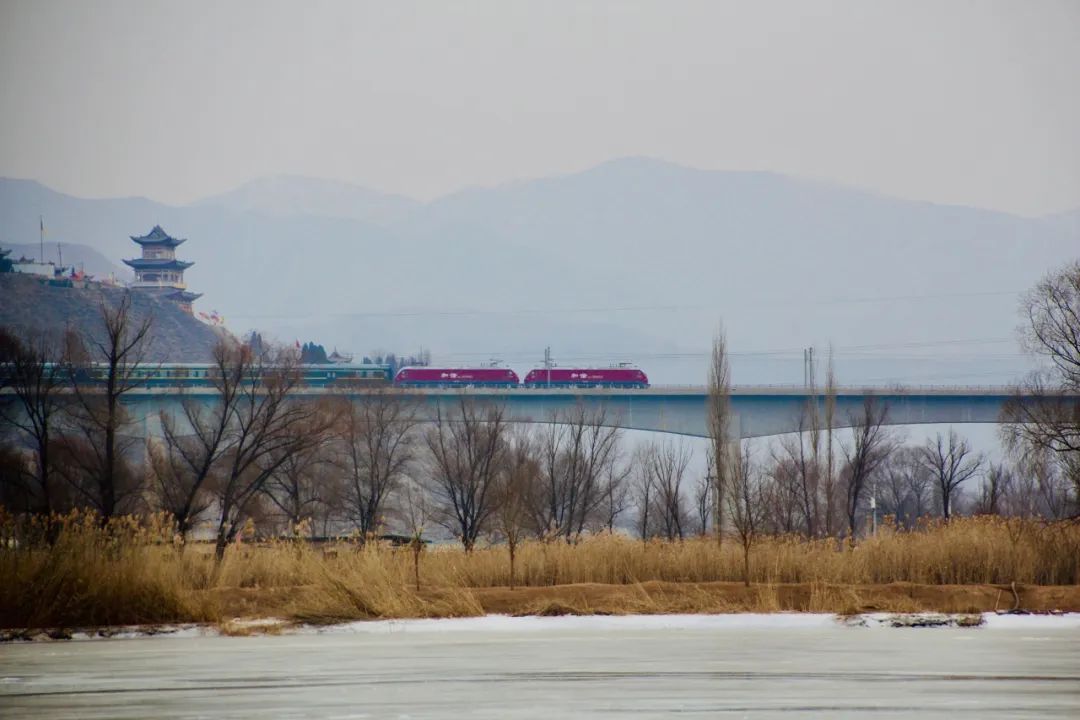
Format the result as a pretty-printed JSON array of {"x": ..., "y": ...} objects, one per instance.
[{"x": 159, "y": 271}]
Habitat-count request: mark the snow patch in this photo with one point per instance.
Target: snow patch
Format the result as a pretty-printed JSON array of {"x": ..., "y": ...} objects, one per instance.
[
  {"x": 588, "y": 623},
  {"x": 506, "y": 623},
  {"x": 1055, "y": 621}
]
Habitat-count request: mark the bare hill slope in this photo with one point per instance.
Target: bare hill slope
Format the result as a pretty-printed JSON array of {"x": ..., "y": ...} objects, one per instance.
[{"x": 29, "y": 304}]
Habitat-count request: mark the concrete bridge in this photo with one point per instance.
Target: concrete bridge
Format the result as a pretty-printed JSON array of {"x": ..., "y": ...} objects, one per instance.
[{"x": 758, "y": 411}]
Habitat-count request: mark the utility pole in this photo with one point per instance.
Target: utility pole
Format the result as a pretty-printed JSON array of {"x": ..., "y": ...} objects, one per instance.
[
  {"x": 41, "y": 239},
  {"x": 548, "y": 363},
  {"x": 810, "y": 365},
  {"x": 808, "y": 373}
]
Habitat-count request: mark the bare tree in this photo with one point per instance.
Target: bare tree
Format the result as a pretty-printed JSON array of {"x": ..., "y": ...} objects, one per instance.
[
  {"x": 35, "y": 370},
  {"x": 871, "y": 446},
  {"x": 300, "y": 486},
  {"x": 416, "y": 510},
  {"x": 267, "y": 427},
  {"x": 666, "y": 462},
  {"x": 1046, "y": 410},
  {"x": 193, "y": 444},
  {"x": 798, "y": 482},
  {"x": 378, "y": 444},
  {"x": 520, "y": 475},
  {"x": 466, "y": 447},
  {"x": 703, "y": 497},
  {"x": 719, "y": 422},
  {"x": 828, "y": 484},
  {"x": 120, "y": 350},
  {"x": 1059, "y": 490},
  {"x": 16, "y": 492},
  {"x": 744, "y": 503},
  {"x": 614, "y": 493},
  {"x": 781, "y": 491},
  {"x": 1042, "y": 485},
  {"x": 905, "y": 486},
  {"x": 995, "y": 487},
  {"x": 575, "y": 451},
  {"x": 644, "y": 493},
  {"x": 951, "y": 462}
]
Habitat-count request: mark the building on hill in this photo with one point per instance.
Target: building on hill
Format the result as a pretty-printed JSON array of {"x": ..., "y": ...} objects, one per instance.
[
  {"x": 159, "y": 271},
  {"x": 339, "y": 358}
]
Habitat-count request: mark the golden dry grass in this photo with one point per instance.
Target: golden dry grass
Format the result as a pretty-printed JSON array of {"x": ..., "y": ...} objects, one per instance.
[{"x": 132, "y": 572}]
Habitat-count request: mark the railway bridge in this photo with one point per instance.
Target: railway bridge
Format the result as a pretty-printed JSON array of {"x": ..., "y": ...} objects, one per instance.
[{"x": 758, "y": 411}]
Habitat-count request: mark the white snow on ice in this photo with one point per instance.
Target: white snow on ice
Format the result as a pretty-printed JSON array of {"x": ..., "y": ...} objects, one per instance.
[
  {"x": 594, "y": 623},
  {"x": 739, "y": 621}
]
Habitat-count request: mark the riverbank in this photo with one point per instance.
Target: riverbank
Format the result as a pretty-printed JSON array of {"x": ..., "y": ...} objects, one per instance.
[
  {"x": 308, "y": 604},
  {"x": 130, "y": 573},
  {"x": 274, "y": 626}
]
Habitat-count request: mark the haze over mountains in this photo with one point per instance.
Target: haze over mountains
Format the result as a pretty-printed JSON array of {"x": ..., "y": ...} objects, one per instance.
[{"x": 635, "y": 259}]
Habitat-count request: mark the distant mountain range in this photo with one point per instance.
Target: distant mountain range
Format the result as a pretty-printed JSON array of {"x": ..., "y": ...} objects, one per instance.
[
  {"x": 290, "y": 195},
  {"x": 635, "y": 259}
]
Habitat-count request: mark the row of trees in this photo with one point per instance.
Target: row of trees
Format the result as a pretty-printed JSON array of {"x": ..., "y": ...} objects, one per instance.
[
  {"x": 258, "y": 452},
  {"x": 77, "y": 432}
]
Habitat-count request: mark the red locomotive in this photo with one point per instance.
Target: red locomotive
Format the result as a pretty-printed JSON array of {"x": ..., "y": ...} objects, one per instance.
[
  {"x": 421, "y": 377},
  {"x": 616, "y": 377}
]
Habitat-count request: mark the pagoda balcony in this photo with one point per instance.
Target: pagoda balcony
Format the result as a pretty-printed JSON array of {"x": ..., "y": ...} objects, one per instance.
[
  {"x": 163, "y": 284},
  {"x": 162, "y": 264}
]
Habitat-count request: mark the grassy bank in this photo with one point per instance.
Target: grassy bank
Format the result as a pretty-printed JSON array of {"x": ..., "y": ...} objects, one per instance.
[{"x": 77, "y": 573}]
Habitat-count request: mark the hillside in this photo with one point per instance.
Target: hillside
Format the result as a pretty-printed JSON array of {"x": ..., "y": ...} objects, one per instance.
[
  {"x": 28, "y": 304},
  {"x": 635, "y": 259}
]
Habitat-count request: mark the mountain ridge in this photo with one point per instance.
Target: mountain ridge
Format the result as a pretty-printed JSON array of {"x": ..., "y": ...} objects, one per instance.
[
  {"x": 766, "y": 252},
  {"x": 280, "y": 195}
]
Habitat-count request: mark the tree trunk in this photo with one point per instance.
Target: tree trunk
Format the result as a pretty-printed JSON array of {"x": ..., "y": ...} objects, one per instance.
[
  {"x": 107, "y": 481},
  {"x": 43, "y": 468},
  {"x": 513, "y": 549},
  {"x": 417, "y": 547},
  {"x": 222, "y": 535},
  {"x": 219, "y": 547}
]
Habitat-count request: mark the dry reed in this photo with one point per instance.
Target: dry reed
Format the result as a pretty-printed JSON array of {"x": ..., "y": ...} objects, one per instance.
[{"x": 74, "y": 571}]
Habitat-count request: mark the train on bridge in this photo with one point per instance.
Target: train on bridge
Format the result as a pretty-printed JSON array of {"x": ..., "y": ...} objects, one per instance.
[
  {"x": 370, "y": 375},
  {"x": 623, "y": 376}
]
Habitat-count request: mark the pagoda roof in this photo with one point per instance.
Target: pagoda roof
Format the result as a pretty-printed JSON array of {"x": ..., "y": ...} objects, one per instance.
[
  {"x": 157, "y": 236},
  {"x": 158, "y": 264},
  {"x": 184, "y": 296}
]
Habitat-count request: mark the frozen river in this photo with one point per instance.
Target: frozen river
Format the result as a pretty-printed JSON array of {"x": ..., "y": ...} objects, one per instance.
[{"x": 741, "y": 666}]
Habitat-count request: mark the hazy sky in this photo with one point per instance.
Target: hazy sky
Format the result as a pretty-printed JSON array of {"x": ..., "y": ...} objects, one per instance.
[{"x": 963, "y": 102}]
